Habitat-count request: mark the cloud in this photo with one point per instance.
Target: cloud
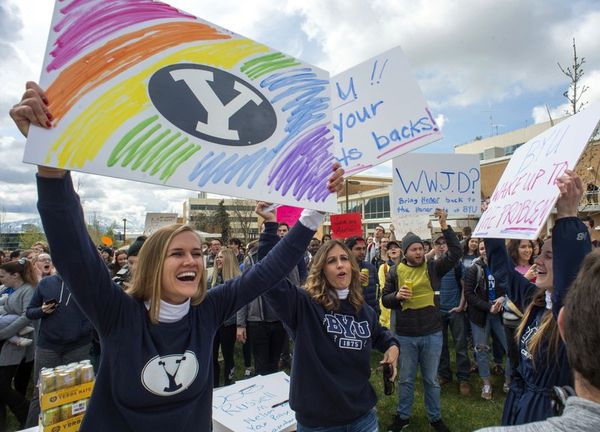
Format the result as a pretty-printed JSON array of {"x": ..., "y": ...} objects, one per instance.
[{"x": 441, "y": 120}]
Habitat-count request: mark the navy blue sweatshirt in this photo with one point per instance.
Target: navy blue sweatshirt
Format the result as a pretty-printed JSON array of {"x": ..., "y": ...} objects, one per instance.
[
  {"x": 331, "y": 368},
  {"x": 152, "y": 377},
  {"x": 529, "y": 397},
  {"x": 67, "y": 327}
]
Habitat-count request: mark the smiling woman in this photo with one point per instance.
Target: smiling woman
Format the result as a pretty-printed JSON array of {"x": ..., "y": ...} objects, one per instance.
[{"x": 157, "y": 338}]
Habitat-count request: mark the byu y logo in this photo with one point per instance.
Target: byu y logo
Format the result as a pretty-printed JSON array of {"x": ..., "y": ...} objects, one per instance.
[
  {"x": 169, "y": 375},
  {"x": 352, "y": 332},
  {"x": 212, "y": 104}
]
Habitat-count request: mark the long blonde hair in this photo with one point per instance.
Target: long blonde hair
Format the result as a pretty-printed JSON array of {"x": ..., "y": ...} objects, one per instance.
[
  {"x": 321, "y": 291},
  {"x": 146, "y": 281},
  {"x": 548, "y": 326},
  {"x": 231, "y": 268}
]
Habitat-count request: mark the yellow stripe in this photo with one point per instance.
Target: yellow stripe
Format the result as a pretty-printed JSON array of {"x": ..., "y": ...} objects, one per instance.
[{"x": 83, "y": 139}]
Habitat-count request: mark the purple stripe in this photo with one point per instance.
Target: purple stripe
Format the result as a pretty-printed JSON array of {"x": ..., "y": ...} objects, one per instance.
[{"x": 88, "y": 21}]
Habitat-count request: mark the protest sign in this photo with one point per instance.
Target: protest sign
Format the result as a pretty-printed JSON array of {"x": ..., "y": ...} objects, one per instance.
[
  {"x": 155, "y": 221},
  {"x": 379, "y": 112},
  {"x": 346, "y": 225},
  {"x": 288, "y": 214},
  {"x": 414, "y": 224},
  {"x": 143, "y": 91},
  {"x": 259, "y": 403},
  {"x": 527, "y": 191},
  {"x": 423, "y": 182}
]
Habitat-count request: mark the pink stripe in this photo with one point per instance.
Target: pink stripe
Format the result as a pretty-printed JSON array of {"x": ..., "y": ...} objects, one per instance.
[
  {"x": 357, "y": 168},
  {"x": 88, "y": 21},
  {"x": 404, "y": 143},
  {"x": 518, "y": 229}
]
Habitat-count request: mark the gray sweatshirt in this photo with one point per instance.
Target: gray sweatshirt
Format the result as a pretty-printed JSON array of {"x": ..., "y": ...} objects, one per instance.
[{"x": 580, "y": 415}]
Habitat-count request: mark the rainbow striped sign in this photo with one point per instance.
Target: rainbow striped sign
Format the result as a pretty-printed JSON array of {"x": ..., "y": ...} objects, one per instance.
[{"x": 142, "y": 91}]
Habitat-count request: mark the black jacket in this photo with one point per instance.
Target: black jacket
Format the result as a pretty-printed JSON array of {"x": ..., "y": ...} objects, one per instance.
[
  {"x": 426, "y": 321},
  {"x": 476, "y": 293}
]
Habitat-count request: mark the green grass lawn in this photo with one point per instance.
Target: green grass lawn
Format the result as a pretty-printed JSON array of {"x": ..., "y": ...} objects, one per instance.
[{"x": 460, "y": 413}]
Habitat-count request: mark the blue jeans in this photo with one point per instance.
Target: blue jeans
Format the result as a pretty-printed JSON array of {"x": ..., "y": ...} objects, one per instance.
[
  {"x": 366, "y": 423},
  {"x": 423, "y": 350},
  {"x": 481, "y": 336},
  {"x": 456, "y": 322}
]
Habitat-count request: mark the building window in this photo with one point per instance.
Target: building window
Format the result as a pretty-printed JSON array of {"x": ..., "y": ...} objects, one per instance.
[{"x": 377, "y": 208}]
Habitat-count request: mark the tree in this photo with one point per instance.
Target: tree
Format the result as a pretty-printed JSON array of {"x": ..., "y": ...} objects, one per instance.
[
  {"x": 221, "y": 220},
  {"x": 30, "y": 235},
  {"x": 201, "y": 221},
  {"x": 575, "y": 73},
  {"x": 243, "y": 211}
]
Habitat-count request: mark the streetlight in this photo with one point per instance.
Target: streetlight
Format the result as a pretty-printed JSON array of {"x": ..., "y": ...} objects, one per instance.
[
  {"x": 348, "y": 182},
  {"x": 124, "y": 230}
]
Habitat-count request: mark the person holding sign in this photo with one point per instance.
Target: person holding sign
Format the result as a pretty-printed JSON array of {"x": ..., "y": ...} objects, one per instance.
[
  {"x": 409, "y": 292},
  {"x": 543, "y": 361},
  {"x": 334, "y": 332},
  {"x": 157, "y": 337}
]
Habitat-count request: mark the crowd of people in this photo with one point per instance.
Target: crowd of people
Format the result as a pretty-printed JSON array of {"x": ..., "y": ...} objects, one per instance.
[{"x": 154, "y": 317}]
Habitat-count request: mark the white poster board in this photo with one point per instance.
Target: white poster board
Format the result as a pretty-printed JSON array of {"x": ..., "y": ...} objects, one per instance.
[
  {"x": 155, "y": 221},
  {"x": 152, "y": 94},
  {"x": 379, "y": 112},
  {"x": 258, "y": 403},
  {"x": 526, "y": 193},
  {"x": 404, "y": 224},
  {"x": 423, "y": 182}
]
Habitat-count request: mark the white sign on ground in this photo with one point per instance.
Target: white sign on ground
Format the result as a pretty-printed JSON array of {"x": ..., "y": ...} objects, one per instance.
[
  {"x": 526, "y": 193},
  {"x": 379, "y": 112},
  {"x": 258, "y": 403}
]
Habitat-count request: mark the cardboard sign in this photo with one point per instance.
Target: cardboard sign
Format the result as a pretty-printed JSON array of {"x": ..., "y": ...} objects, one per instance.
[
  {"x": 423, "y": 182},
  {"x": 415, "y": 224},
  {"x": 155, "y": 221},
  {"x": 140, "y": 90},
  {"x": 258, "y": 403},
  {"x": 379, "y": 112},
  {"x": 527, "y": 191},
  {"x": 288, "y": 214},
  {"x": 346, "y": 225}
]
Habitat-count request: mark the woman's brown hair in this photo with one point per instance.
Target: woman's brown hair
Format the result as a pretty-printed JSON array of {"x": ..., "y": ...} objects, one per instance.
[
  {"x": 146, "y": 281},
  {"x": 319, "y": 288},
  {"x": 513, "y": 251},
  {"x": 24, "y": 268}
]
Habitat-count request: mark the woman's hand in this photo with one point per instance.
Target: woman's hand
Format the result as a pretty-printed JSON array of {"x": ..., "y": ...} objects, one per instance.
[
  {"x": 335, "y": 184},
  {"x": 531, "y": 273},
  {"x": 391, "y": 357},
  {"x": 240, "y": 334},
  {"x": 33, "y": 109},
  {"x": 571, "y": 191},
  {"x": 261, "y": 210}
]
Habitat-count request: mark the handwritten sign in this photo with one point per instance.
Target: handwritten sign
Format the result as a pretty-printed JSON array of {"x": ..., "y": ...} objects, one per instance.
[
  {"x": 153, "y": 94},
  {"x": 379, "y": 112},
  {"x": 288, "y": 214},
  {"x": 423, "y": 182},
  {"x": 346, "y": 225},
  {"x": 259, "y": 403},
  {"x": 414, "y": 224},
  {"x": 155, "y": 221},
  {"x": 527, "y": 192}
]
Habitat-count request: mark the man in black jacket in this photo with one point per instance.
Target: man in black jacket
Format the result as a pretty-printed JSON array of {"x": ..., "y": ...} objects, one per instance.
[{"x": 409, "y": 290}]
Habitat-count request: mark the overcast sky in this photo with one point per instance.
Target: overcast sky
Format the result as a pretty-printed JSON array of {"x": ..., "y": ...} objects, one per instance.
[{"x": 482, "y": 65}]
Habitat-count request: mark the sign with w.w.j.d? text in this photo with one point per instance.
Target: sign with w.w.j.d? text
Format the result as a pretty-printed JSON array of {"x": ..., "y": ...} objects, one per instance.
[{"x": 527, "y": 191}]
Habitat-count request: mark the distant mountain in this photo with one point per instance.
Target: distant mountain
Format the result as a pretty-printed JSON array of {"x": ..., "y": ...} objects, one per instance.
[{"x": 18, "y": 226}]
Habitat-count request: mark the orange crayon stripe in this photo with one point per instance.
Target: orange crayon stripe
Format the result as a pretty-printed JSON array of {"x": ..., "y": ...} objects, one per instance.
[{"x": 118, "y": 55}]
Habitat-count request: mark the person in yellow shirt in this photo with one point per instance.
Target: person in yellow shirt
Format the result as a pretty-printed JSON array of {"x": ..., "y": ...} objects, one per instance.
[{"x": 394, "y": 255}]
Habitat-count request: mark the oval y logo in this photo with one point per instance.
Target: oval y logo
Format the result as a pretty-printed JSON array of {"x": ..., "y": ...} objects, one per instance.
[
  {"x": 212, "y": 104},
  {"x": 169, "y": 375}
]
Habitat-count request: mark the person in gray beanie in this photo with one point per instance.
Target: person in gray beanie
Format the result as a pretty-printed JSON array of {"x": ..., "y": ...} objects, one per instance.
[{"x": 409, "y": 291}]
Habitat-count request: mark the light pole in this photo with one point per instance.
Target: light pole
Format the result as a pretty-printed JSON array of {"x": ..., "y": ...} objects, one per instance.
[
  {"x": 346, "y": 183},
  {"x": 124, "y": 230}
]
